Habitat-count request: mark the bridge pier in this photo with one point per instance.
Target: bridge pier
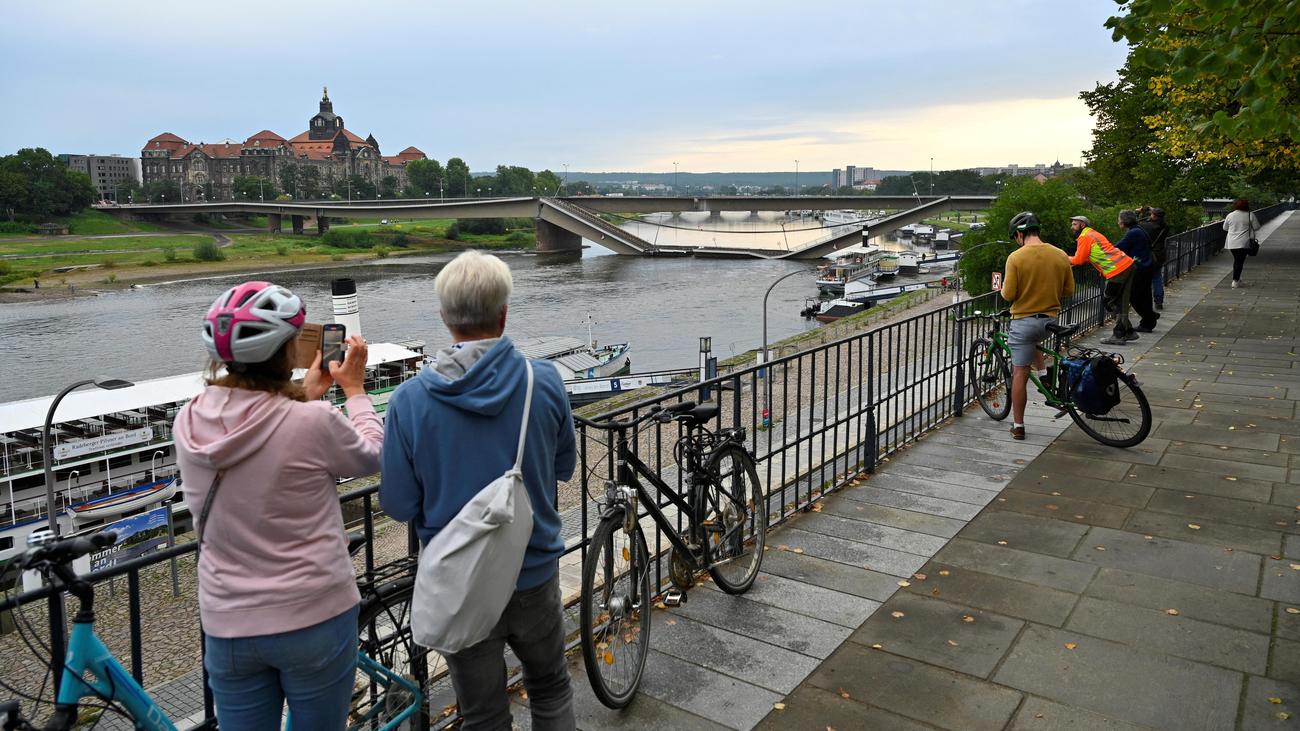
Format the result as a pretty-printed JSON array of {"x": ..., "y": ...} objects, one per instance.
[
  {"x": 322, "y": 225},
  {"x": 552, "y": 238},
  {"x": 715, "y": 215},
  {"x": 274, "y": 222},
  {"x": 297, "y": 225}
]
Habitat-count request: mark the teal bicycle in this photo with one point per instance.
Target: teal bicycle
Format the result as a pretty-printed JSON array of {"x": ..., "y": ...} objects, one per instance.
[
  {"x": 988, "y": 368},
  {"x": 385, "y": 695}
]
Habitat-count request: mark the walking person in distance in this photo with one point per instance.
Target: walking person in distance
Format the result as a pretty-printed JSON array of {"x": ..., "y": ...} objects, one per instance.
[
  {"x": 1241, "y": 226},
  {"x": 450, "y": 432},
  {"x": 259, "y": 456}
]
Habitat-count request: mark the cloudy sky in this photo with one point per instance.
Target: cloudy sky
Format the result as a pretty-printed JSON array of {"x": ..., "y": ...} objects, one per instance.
[{"x": 599, "y": 85}]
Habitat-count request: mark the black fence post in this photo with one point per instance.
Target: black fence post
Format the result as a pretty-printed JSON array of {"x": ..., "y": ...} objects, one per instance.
[
  {"x": 873, "y": 441},
  {"x": 57, "y": 647},
  {"x": 959, "y": 389},
  {"x": 137, "y": 639}
]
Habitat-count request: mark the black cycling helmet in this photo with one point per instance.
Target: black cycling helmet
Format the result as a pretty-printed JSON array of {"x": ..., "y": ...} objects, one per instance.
[{"x": 1022, "y": 222}]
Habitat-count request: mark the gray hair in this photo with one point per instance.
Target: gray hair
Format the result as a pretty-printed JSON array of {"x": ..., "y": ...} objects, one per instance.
[
  {"x": 1128, "y": 218},
  {"x": 473, "y": 289}
]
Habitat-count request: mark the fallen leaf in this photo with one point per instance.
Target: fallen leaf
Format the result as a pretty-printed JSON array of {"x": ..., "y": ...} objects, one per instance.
[
  {"x": 779, "y": 706},
  {"x": 904, "y": 583},
  {"x": 1070, "y": 645},
  {"x": 843, "y": 693},
  {"x": 919, "y": 577},
  {"x": 1051, "y": 507},
  {"x": 954, "y": 644},
  {"x": 967, "y": 618},
  {"x": 943, "y": 572},
  {"x": 782, "y": 547},
  {"x": 1275, "y": 701},
  {"x": 1230, "y": 478},
  {"x": 1193, "y": 526},
  {"x": 1295, "y": 567},
  {"x": 1100, "y": 548},
  {"x": 877, "y": 646},
  {"x": 1056, "y": 494},
  {"x": 798, "y": 550},
  {"x": 1149, "y": 538},
  {"x": 897, "y": 615},
  {"x": 1172, "y": 612},
  {"x": 1078, "y": 517},
  {"x": 1292, "y": 610},
  {"x": 1283, "y": 715},
  {"x": 1002, "y": 543}
]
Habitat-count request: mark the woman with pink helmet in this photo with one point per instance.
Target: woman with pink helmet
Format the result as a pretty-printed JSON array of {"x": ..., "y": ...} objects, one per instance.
[{"x": 258, "y": 456}]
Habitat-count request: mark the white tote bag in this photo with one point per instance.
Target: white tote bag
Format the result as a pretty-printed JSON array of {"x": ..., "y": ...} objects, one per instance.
[{"x": 468, "y": 572}]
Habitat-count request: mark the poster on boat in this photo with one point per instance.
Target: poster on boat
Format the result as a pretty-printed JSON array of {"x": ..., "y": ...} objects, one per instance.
[
  {"x": 115, "y": 440},
  {"x": 136, "y": 536}
]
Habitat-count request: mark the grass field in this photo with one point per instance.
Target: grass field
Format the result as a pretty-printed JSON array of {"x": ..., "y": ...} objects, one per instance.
[
  {"x": 89, "y": 246},
  {"x": 95, "y": 223}
]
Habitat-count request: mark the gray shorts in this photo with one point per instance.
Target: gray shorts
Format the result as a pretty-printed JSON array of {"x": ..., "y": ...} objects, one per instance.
[{"x": 1024, "y": 335}]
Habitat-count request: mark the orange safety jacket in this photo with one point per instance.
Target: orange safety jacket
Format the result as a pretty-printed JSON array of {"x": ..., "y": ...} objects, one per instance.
[{"x": 1095, "y": 249}]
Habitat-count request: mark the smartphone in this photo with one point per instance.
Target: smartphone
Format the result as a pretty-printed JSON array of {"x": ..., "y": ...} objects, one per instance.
[{"x": 331, "y": 345}]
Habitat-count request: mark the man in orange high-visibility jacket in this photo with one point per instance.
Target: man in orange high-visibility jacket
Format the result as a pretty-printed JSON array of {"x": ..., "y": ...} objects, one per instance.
[{"x": 1117, "y": 267}]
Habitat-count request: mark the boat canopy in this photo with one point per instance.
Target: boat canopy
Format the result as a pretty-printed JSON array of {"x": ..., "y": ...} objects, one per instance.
[
  {"x": 853, "y": 250},
  {"x": 578, "y": 362},
  {"x": 548, "y": 346},
  {"x": 92, "y": 402}
]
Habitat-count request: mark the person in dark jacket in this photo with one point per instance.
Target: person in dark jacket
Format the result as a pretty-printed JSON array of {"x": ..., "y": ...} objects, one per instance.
[
  {"x": 1137, "y": 245},
  {"x": 1158, "y": 232},
  {"x": 455, "y": 428}
]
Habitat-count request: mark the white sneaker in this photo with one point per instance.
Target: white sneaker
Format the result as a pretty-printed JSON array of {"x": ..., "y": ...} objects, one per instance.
[{"x": 1234, "y": 284}]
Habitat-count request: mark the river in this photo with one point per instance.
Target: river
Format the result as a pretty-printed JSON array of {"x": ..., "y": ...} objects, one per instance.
[{"x": 660, "y": 305}]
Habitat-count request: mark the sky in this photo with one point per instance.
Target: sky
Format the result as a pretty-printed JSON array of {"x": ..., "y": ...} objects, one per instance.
[{"x": 595, "y": 85}]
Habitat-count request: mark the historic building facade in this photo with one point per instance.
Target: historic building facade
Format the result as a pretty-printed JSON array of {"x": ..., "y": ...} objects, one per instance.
[{"x": 208, "y": 171}]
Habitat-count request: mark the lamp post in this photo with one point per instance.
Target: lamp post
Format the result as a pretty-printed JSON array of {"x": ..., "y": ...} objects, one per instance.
[
  {"x": 931, "y": 177},
  {"x": 153, "y": 470},
  {"x": 72, "y": 475},
  {"x": 566, "y": 173},
  {"x": 796, "y": 178},
  {"x": 47, "y": 449},
  {"x": 767, "y": 371},
  {"x": 440, "y": 196},
  {"x": 675, "y": 192}
]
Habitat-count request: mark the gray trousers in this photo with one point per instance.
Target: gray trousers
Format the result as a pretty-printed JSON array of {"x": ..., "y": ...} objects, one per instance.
[
  {"x": 1118, "y": 292},
  {"x": 533, "y": 626}
]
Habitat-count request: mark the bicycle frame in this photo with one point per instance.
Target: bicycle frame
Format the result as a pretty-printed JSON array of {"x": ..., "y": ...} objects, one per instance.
[
  {"x": 998, "y": 337},
  {"x": 91, "y": 671}
]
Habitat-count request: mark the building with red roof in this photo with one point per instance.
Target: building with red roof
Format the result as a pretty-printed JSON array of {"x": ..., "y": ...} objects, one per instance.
[{"x": 208, "y": 171}]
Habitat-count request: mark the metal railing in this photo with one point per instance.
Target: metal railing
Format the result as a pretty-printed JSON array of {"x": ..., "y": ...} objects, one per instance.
[{"x": 815, "y": 420}]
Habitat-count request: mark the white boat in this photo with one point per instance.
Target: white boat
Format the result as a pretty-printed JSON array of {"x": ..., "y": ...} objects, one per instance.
[
  {"x": 844, "y": 218},
  {"x": 909, "y": 261},
  {"x": 862, "y": 292},
  {"x": 887, "y": 266},
  {"x": 848, "y": 264},
  {"x": 575, "y": 359}
]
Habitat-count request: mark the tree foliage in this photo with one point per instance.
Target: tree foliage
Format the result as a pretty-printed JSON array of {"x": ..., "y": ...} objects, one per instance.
[
  {"x": 457, "y": 177},
  {"x": 35, "y": 184},
  {"x": 423, "y": 178},
  {"x": 514, "y": 180},
  {"x": 253, "y": 187},
  {"x": 1226, "y": 74},
  {"x": 548, "y": 183},
  {"x": 947, "y": 182}
]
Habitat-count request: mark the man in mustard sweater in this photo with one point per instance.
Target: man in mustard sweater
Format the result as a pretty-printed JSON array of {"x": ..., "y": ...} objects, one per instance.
[{"x": 1038, "y": 277}]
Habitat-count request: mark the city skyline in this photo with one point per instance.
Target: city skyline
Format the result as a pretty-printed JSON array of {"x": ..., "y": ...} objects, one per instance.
[{"x": 727, "y": 87}]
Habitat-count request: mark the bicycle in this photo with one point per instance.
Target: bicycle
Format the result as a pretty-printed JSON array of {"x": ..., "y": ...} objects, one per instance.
[
  {"x": 726, "y": 524},
  {"x": 386, "y": 695},
  {"x": 988, "y": 367}
]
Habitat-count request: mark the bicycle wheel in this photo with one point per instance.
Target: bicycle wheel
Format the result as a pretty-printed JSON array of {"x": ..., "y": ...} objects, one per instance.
[
  {"x": 385, "y": 636},
  {"x": 614, "y": 610},
  {"x": 733, "y": 513},
  {"x": 989, "y": 374},
  {"x": 1125, "y": 425}
]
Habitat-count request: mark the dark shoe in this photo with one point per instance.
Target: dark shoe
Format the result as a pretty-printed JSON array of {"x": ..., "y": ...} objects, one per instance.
[
  {"x": 1018, "y": 432},
  {"x": 1160, "y": 305},
  {"x": 1114, "y": 341},
  {"x": 1143, "y": 329},
  {"x": 1132, "y": 336}
]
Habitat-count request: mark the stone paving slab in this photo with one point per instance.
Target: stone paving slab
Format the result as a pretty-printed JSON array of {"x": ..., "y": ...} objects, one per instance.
[
  {"x": 939, "y": 633},
  {"x": 916, "y": 484},
  {"x": 758, "y": 620},
  {"x": 905, "y": 519},
  {"x": 1051, "y": 537},
  {"x": 995, "y": 594},
  {"x": 1179, "y": 560},
  {"x": 1086, "y": 512},
  {"x": 1039, "y": 714},
  {"x": 863, "y": 531},
  {"x": 1057, "y": 573},
  {"x": 1222, "y": 535},
  {"x": 1261, "y": 714},
  {"x": 1196, "y": 602}
]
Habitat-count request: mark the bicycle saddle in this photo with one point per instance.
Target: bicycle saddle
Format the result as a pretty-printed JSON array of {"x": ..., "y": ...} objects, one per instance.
[
  {"x": 1060, "y": 330},
  {"x": 701, "y": 413}
]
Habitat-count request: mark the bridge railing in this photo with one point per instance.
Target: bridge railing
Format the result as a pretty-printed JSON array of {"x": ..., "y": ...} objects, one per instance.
[{"x": 816, "y": 421}]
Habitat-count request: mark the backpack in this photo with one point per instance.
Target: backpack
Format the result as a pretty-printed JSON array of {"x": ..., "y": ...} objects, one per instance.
[
  {"x": 1094, "y": 383},
  {"x": 468, "y": 571}
]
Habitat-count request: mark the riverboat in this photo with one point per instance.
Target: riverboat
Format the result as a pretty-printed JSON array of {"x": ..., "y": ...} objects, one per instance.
[
  {"x": 836, "y": 309},
  {"x": 861, "y": 292},
  {"x": 848, "y": 264},
  {"x": 886, "y": 267},
  {"x": 909, "y": 261}
]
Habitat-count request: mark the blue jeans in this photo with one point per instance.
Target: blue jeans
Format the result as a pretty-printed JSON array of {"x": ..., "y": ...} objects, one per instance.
[
  {"x": 1158, "y": 286},
  {"x": 533, "y": 625},
  {"x": 313, "y": 668}
]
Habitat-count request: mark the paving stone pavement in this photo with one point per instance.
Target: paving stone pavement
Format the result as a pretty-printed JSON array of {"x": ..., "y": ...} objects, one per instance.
[{"x": 975, "y": 582}]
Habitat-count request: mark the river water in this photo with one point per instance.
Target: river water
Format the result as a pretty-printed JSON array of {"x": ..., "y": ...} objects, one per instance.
[{"x": 660, "y": 305}]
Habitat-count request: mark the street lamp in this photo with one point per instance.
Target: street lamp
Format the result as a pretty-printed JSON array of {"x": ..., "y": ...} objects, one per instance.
[
  {"x": 796, "y": 178},
  {"x": 478, "y": 192},
  {"x": 153, "y": 470},
  {"x": 767, "y": 371},
  {"x": 675, "y": 193},
  {"x": 931, "y": 177},
  {"x": 47, "y": 449},
  {"x": 440, "y": 196}
]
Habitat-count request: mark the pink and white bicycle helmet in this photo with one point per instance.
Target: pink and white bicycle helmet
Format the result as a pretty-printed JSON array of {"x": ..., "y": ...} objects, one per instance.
[{"x": 249, "y": 322}]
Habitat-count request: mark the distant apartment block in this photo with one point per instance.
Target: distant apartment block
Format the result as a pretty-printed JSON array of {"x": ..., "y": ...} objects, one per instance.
[
  {"x": 106, "y": 171},
  {"x": 1035, "y": 169},
  {"x": 852, "y": 176}
]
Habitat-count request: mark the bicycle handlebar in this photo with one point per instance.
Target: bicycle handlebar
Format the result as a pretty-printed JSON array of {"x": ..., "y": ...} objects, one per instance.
[
  {"x": 981, "y": 316},
  {"x": 655, "y": 411},
  {"x": 66, "y": 550}
]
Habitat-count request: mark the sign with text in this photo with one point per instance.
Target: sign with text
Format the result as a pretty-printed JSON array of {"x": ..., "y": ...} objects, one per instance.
[
  {"x": 136, "y": 536},
  {"x": 115, "y": 440},
  {"x": 997, "y": 281}
]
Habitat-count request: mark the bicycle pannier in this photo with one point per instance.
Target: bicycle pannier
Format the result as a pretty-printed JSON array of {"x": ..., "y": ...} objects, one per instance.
[
  {"x": 468, "y": 572},
  {"x": 1094, "y": 384}
]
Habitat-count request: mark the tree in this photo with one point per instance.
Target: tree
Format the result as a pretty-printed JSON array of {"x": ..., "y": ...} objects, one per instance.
[
  {"x": 36, "y": 184},
  {"x": 548, "y": 183},
  {"x": 161, "y": 191},
  {"x": 579, "y": 187},
  {"x": 253, "y": 188},
  {"x": 514, "y": 180},
  {"x": 388, "y": 186},
  {"x": 457, "y": 177},
  {"x": 309, "y": 183},
  {"x": 355, "y": 186},
  {"x": 289, "y": 178},
  {"x": 1227, "y": 75},
  {"x": 423, "y": 178}
]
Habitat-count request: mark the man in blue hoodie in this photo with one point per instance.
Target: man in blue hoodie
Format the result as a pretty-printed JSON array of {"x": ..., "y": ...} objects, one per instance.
[
  {"x": 451, "y": 431},
  {"x": 1137, "y": 245}
]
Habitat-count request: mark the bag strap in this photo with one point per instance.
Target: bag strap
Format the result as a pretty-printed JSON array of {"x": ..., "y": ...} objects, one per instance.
[
  {"x": 207, "y": 507},
  {"x": 528, "y": 406}
]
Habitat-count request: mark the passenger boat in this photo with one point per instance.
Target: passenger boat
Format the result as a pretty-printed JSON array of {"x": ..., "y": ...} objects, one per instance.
[
  {"x": 846, "y": 265},
  {"x": 575, "y": 359},
  {"x": 833, "y": 310},
  {"x": 887, "y": 266},
  {"x": 909, "y": 261},
  {"x": 861, "y": 292}
]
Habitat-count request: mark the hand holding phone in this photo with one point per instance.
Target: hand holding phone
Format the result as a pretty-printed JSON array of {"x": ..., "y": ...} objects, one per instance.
[{"x": 331, "y": 345}]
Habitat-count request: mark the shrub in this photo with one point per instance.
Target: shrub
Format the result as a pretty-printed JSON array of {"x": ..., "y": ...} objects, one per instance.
[
  {"x": 208, "y": 251},
  {"x": 349, "y": 239},
  {"x": 4, "y": 268},
  {"x": 149, "y": 263},
  {"x": 482, "y": 225},
  {"x": 381, "y": 252},
  {"x": 453, "y": 232},
  {"x": 169, "y": 253},
  {"x": 108, "y": 264},
  {"x": 519, "y": 237},
  {"x": 336, "y": 257},
  {"x": 110, "y": 279},
  {"x": 281, "y": 250},
  {"x": 400, "y": 240},
  {"x": 16, "y": 227}
]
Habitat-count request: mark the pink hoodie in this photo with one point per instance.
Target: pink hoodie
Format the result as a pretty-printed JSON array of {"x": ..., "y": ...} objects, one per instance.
[{"x": 274, "y": 555}]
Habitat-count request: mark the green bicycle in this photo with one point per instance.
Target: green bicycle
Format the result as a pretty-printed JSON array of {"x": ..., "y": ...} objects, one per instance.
[{"x": 988, "y": 368}]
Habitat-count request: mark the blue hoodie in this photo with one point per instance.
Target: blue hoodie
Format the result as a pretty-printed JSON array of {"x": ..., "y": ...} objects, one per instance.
[{"x": 454, "y": 428}]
